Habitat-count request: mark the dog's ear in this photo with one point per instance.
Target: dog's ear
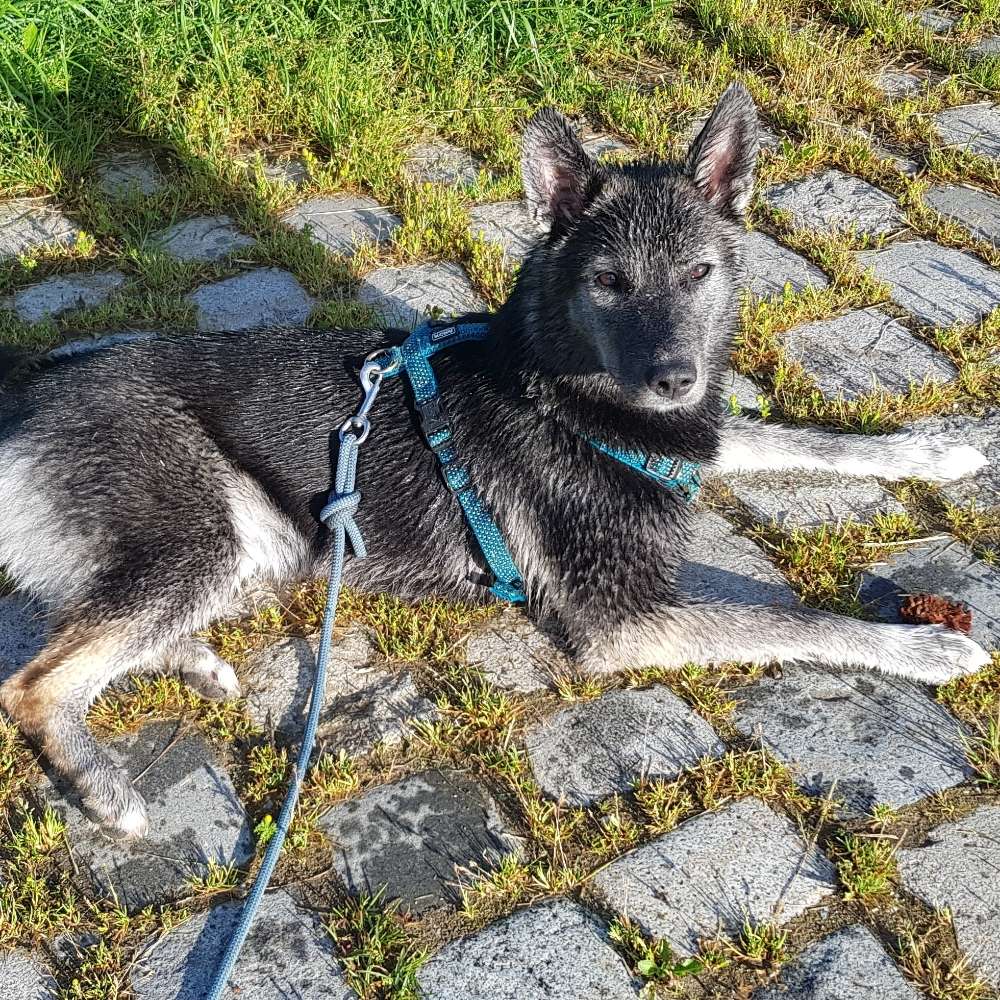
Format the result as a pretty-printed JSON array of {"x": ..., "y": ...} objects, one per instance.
[
  {"x": 560, "y": 178},
  {"x": 722, "y": 159}
]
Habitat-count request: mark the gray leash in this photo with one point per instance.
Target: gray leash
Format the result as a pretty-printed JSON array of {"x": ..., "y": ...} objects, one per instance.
[{"x": 338, "y": 516}]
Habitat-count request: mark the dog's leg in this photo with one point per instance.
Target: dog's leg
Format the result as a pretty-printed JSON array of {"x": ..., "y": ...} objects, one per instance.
[
  {"x": 705, "y": 634},
  {"x": 748, "y": 445},
  {"x": 200, "y": 667},
  {"x": 48, "y": 699}
]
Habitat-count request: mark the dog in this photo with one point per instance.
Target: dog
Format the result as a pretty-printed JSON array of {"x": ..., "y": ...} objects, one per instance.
[{"x": 146, "y": 485}]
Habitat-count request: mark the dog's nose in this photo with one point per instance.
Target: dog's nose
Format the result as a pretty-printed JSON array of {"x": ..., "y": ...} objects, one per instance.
[{"x": 672, "y": 381}]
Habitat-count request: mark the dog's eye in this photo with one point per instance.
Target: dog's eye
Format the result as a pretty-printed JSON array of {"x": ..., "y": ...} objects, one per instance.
[
  {"x": 608, "y": 279},
  {"x": 699, "y": 271}
]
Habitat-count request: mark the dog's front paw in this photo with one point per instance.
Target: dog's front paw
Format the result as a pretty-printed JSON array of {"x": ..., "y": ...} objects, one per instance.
[
  {"x": 211, "y": 676},
  {"x": 937, "y": 458},
  {"x": 119, "y": 808},
  {"x": 934, "y": 654}
]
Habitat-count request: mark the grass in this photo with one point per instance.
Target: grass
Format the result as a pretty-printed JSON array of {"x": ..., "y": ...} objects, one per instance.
[{"x": 347, "y": 86}]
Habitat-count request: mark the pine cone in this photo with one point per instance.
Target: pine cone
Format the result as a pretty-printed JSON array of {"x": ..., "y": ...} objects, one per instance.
[{"x": 921, "y": 609}]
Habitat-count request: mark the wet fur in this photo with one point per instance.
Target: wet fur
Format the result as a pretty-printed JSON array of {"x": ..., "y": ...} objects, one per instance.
[{"x": 146, "y": 485}]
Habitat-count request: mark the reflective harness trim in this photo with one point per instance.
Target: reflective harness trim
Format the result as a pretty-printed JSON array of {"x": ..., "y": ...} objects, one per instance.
[{"x": 412, "y": 358}]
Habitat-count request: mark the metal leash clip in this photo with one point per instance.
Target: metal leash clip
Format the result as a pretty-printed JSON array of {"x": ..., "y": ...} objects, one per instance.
[{"x": 370, "y": 376}]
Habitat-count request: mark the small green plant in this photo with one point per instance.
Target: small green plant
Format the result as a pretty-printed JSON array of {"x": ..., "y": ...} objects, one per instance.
[
  {"x": 653, "y": 960},
  {"x": 866, "y": 864}
]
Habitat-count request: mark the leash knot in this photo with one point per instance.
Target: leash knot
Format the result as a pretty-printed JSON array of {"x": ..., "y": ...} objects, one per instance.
[{"x": 338, "y": 512}]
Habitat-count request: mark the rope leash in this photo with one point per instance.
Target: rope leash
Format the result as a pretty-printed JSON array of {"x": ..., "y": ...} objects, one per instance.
[{"x": 338, "y": 516}]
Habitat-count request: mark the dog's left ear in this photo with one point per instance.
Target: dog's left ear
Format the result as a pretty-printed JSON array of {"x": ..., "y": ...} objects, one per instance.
[
  {"x": 722, "y": 159},
  {"x": 560, "y": 178}
]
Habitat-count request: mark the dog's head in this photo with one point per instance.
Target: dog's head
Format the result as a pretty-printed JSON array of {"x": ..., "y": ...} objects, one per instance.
[{"x": 636, "y": 289}]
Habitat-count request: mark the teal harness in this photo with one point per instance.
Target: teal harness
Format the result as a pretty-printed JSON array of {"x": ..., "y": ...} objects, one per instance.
[{"x": 413, "y": 359}]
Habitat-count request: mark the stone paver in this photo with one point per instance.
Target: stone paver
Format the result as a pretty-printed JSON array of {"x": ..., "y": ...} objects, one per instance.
[
  {"x": 277, "y": 167},
  {"x": 195, "y": 816},
  {"x": 744, "y": 391},
  {"x": 868, "y": 737},
  {"x": 959, "y": 868},
  {"x": 594, "y": 748},
  {"x": 62, "y": 294},
  {"x": 288, "y": 954},
  {"x": 835, "y": 200},
  {"x": 896, "y": 83},
  {"x": 986, "y": 48},
  {"x": 943, "y": 567},
  {"x": 22, "y": 977},
  {"x": 202, "y": 238},
  {"x": 264, "y": 297},
  {"x": 939, "y": 285},
  {"x": 982, "y": 488},
  {"x": 847, "y": 965},
  {"x": 403, "y": 296},
  {"x": 342, "y": 223},
  {"x": 129, "y": 172},
  {"x": 977, "y": 211},
  {"x": 938, "y": 21},
  {"x": 721, "y": 565},
  {"x": 771, "y": 265},
  {"x": 22, "y": 632},
  {"x": 975, "y": 127},
  {"x": 508, "y": 224},
  {"x": 796, "y": 499},
  {"x": 440, "y": 162},
  {"x": 600, "y": 144},
  {"x": 363, "y": 706},
  {"x": 516, "y": 654},
  {"x": 553, "y": 951},
  {"x": 28, "y": 223},
  {"x": 417, "y": 838},
  {"x": 716, "y": 871},
  {"x": 862, "y": 350},
  {"x": 99, "y": 341}
]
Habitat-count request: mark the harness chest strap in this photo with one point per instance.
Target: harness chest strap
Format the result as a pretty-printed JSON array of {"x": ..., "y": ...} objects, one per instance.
[{"x": 413, "y": 359}]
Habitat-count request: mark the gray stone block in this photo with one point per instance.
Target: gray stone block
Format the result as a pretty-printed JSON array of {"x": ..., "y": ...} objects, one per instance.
[
  {"x": 714, "y": 872},
  {"x": 440, "y": 162},
  {"x": 863, "y": 350},
  {"x": 288, "y": 954},
  {"x": 796, "y": 499},
  {"x": 739, "y": 388},
  {"x": 986, "y": 48},
  {"x": 939, "y": 285},
  {"x": 22, "y": 632},
  {"x": 128, "y": 173},
  {"x": 720, "y": 565},
  {"x": 277, "y": 166},
  {"x": 264, "y": 297},
  {"x": 508, "y": 224},
  {"x": 903, "y": 164},
  {"x": 62, "y": 294},
  {"x": 975, "y": 127},
  {"x": 516, "y": 654},
  {"x": 977, "y": 211},
  {"x": 771, "y": 266},
  {"x": 863, "y": 737},
  {"x": 29, "y": 223},
  {"x": 100, "y": 341},
  {"x": 362, "y": 707},
  {"x": 594, "y": 748},
  {"x": 944, "y": 567},
  {"x": 982, "y": 488},
  {"x": 342, "y": 223},
  {"x": 894, "y": 83},
  {"x": 834, "y": 200},
  {"x": 202, "y": 238},
  {"x": 600, "y": 144},
  {"x": 957, "y": 869},
  {"x": 938, "y": 21},
  {"x": 195, "y": 817},
  {"x": 552, "y": 951},
  {"x": 847, "y": 965},
  {"x": 23, "y": 977},
  {"x": 417, "y": 838},
  {"x": 404, "y": 296}
]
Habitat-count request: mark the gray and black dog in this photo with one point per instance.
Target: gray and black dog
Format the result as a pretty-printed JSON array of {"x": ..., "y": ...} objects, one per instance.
[{"x": 144, "y": 486}]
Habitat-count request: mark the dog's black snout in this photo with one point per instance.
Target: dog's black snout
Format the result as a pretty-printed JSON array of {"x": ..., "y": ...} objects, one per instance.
[{"x": 672, "y": 381}]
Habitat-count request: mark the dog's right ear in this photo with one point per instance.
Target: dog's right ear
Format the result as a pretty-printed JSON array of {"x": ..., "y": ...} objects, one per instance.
[{"x": 560, "y": 178}]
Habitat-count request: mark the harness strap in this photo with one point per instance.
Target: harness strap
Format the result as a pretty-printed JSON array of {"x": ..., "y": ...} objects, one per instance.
[{"x": 412, "y": 357}]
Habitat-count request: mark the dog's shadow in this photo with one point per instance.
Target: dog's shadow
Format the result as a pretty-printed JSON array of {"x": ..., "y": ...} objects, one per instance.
[{"x": 23, "y": 630}]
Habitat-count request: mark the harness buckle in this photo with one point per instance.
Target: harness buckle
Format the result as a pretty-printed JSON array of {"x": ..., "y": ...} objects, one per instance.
[{"x": 433, "y": 418}]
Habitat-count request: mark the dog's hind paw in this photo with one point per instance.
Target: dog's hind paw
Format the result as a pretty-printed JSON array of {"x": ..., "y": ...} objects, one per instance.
[
  {"x": 938, "y": 458},
  {"x": 122, "y": 815},
  {"x": 934, "y": 654},
  {"x": 211, "y": 676}
]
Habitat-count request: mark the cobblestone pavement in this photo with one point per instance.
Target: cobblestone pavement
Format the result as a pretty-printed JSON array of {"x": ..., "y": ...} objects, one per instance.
[{"x": 532, "y": 833}]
